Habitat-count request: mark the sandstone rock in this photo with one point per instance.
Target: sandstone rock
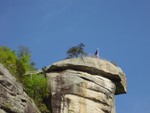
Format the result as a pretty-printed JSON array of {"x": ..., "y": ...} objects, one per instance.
[
  {"x": 12, "y": 97},
  {"x": 85, "y": 85},
  {"x": 94, "y": 66}
]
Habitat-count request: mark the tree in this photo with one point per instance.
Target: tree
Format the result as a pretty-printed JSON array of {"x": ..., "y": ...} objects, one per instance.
[
  {"x": 76, "y": 51},
  {"x": 8, "y": 59},
  {"x": 18, "y": 64},
  {"x": 24, "y": 60},
  {"x": 23, "y": 51}
]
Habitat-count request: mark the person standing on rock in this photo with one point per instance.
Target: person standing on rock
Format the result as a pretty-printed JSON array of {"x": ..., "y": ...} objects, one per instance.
[{"x": 97, "y": 53}]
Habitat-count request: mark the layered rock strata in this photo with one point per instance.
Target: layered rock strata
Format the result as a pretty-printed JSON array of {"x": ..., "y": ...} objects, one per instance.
[
  {"x": 12, "y": 97},
  {"x": 85, "y": 85}
]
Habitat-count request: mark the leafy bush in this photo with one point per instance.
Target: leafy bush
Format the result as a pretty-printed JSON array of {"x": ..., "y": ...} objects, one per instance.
[
  {"x": 19, "y": 63},
  {"x": 8, "y": 59},
  {"x": 36, "y": 87}
]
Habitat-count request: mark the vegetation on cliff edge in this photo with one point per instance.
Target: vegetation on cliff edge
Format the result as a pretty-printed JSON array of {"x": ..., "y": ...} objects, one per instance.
[
  {"x": 76, "y": 51},
  {"x": 19, "y": 63}
]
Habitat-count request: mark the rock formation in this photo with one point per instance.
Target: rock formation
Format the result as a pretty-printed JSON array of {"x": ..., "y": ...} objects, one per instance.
[
  {"x": 85, "y": 85},
  {"x": 12, "y": 97},
  {"x": 78, "y": 85}
]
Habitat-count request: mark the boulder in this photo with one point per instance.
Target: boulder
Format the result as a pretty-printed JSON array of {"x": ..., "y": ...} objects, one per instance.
[
  {"x": 85, "y": 85},
  {"x": 13, "y": 99}
]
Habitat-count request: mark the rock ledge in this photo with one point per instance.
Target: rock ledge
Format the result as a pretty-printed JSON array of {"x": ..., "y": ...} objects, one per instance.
[
  {"x": 85, "y": 85},
  {"x": 93, "y": 66}
]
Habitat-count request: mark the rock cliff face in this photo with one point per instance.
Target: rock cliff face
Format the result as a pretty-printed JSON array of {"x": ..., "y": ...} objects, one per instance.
[
  {"x": 85, "y": 85},
  {"x": 12, "y": 97},
  {"x": 78, "y": 85}
]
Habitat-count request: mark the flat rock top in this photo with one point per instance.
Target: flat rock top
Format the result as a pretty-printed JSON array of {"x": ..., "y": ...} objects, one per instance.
[{"x": 94, "y": 66}]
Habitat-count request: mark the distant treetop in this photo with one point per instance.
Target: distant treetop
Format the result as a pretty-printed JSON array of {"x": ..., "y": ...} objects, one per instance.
[{"x": 76, "y": 51}]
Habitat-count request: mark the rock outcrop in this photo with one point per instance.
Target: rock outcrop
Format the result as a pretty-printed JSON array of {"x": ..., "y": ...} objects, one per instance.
[
  {"x": 85, "y": 85},
  {"x": 12, "y": 97}
]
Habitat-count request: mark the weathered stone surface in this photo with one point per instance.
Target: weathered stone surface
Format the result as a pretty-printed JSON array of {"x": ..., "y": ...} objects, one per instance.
[
  {"x": 79, "y": 92},
  {"x": 85, "y": 85},
  {"x": 94, "y": 66},
  {"x": 12, "y": 97}
]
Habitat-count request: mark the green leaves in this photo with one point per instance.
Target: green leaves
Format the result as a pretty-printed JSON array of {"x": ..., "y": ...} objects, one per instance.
[
  {"x": 76, "y": 51},
  {"x": 18, "y": 64},
  {"x": 36, "y": 87},
  {"x": 8, "y": 59},
  {"x": 24, "y": 58}
]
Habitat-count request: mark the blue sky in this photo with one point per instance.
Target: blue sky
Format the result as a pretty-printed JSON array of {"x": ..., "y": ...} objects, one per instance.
[{"x": 119, "y": 28}]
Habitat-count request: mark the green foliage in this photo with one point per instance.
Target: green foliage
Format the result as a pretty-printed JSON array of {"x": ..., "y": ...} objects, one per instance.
[
  {"x": 24, "y": 59},
  {"x": 37, "y": 88},
  {"x": 76, "y": 51},
  {"x": 8, "y": 59},
  {"x": 19, "y": 64}
]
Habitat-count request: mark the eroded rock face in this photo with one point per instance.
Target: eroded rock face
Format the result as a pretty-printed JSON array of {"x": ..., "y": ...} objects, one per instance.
[
  {"x": 12, "y": 97},
  {"x": 85, "y": 85}
]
